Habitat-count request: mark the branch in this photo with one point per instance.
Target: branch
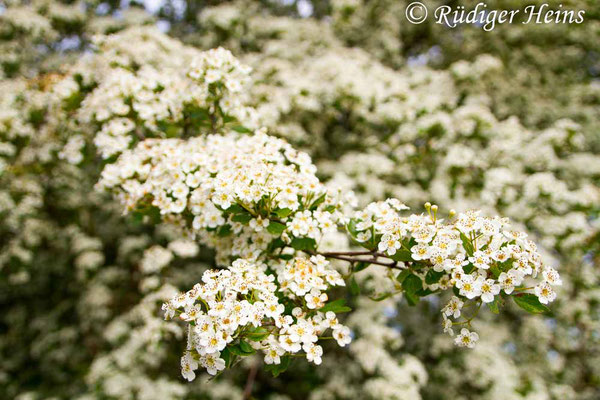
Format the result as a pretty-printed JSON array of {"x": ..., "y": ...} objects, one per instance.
[
  {"x": 347, "y": 256},
  {"x": 250, "y": 381}
]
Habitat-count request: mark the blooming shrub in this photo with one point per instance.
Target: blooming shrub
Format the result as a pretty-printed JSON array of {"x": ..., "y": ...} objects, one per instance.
[{"x": 337, "y": 276}]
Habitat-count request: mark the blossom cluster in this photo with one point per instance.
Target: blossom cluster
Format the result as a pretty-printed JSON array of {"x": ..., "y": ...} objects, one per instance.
[
  {"x": 236, "y": 311},
  {"x": 125, "y": 103},
  {"x": 234, "y": 192},
  {"x": 479, "y": 258}
]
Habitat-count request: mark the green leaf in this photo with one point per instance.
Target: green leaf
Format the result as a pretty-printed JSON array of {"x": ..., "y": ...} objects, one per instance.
[
  {"x": 227, "y": 357},
  {"x": 257, "y": 334},
  {"x": 494, "y": 305},
  {"x": 235, "y": 209},
  {"x": 402, "y": 255},
  {"x": 304, "y": 244},
  {"x": 354, "y": 287},
  {"x": 337, "y": 306},
  {"x": 242, "y": 218},
  {"x": 283, "y": 212},
  {"x": 412, "y": 298},
  {"x": 246, "y": 348},
  {"x": 433, "y": 276},
  {"x": 224, "y": 230},
  {"x": 241, "y": 129},
  {"x": 318, "y": 202},
  {"x": 467, "y": 244},
  {"x": 277, "y": 369},
  {"x": 359, "y": 266},
  {"x": 469, "y": 268},
  {"x": 352, "y": 227},
  {"x": 411, "y": 285},
  {"x": 276, "y": 228},
  {"x": 530, "y": 303},
  {"x": 424, "y": 292},
  {"x": 402, "y": 275},
  {"x": 495, "y": 271},
  {"x": 241, "y": 349}
]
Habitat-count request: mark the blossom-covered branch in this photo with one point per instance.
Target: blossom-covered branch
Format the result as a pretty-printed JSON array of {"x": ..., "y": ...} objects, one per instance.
[{"x": 259, "y": 203}]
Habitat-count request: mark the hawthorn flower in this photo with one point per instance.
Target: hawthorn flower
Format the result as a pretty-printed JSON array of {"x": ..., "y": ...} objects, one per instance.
[
  {"x": 453, "y": 308},
  {"x": 551, "y": 276},
  {"x": 273, "y": 355},
  {"x": 188, "y": 366},
  {"x": 313, "y": 353},
  {"x": 389, "y": 244},
  {"x": 212, "y": 363},
  {"x": 447, "y": 324},
  {"x": 545, "y": 293},
  {"x": 480, "y": 260},
  {"x": 420, "y": 252},
  {"x": 466, "y": 338},
  {"x": 508, "y": 280},
  {"x": 469, "y": 286},
  {"x": 489, "y": 288},
  {"x": 342, "y": 335},
  {"x": 331, "y": 321},
  {"x": 315, "y": 299}
]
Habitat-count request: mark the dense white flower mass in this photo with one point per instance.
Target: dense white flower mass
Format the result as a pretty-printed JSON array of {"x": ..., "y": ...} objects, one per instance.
[
  {"x": 236, "y": 311},
  {"x": 234, "y": 192},
  {"x": 174, "y": 131},
  {"x": 258, "y": 202},
  {"x": 477, "y": 257}
]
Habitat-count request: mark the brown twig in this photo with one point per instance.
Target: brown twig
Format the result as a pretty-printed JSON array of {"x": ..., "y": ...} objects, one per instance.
[
  {"x": 350, "y": 257},
  {"x": 250, "y": 381}
]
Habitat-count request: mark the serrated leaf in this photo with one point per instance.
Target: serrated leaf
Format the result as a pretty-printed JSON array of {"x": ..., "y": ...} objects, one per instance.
[
  {"x": 337, "y": 306},
  {"x": 241, "y": 349},
  {"x": 227, "y": 357},
  {"x": 283, "y": 212},
  {"x": 277, "y": 369},
  {"x": 257, "y": 334},
  {"x": 304, "y": 244},
  {"x": 235, "y": 209},
  {"x": 359, "y": 266},
  {"x": 224, "y": 230},
  {"x": 494, "y": 306},
  {"x": 456, "y": 291},
  {"x": 402, "y": 255},
  {"x": 246, "y": 347},
  {"x": 351, "y": 226},
  {"x": 242, "y": 218},
  {"x": 424, "y": 292},
  {"x": 412, "y": 284},
  {"x": 318, "y": 202},
  {"x": 276, "y": 228},
  {"x": 495, "y": 271},
  {"x": 330, "y": 208},
  {"x": 530, "y": 303},
  {"x": 412, "y": 298},
  {"x": 402, "y": 275},
  {"x": 433, "y": 277}
]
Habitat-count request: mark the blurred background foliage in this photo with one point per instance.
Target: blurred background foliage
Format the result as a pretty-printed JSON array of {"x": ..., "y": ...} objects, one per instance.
[{"x": 70, "y": 262}]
